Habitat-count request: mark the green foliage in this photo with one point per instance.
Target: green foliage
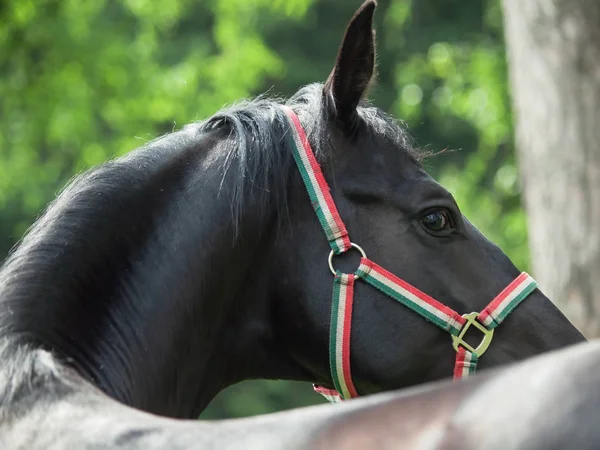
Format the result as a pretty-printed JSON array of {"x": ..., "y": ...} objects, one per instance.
[
  {"x": 84, "y": 81},
  {"x": 452, "y": 91}
]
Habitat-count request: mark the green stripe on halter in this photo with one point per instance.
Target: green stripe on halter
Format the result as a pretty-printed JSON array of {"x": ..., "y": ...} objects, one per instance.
[
  {"x": 333, "y": 336},
  {"x": 417, "y": 305}
]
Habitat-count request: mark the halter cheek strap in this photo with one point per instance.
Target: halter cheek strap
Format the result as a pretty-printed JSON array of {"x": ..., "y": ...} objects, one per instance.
[{"x": 396, "y": 288}]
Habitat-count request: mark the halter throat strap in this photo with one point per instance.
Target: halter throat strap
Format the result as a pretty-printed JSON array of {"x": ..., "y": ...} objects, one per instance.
[{"x": 343, "y": 285}]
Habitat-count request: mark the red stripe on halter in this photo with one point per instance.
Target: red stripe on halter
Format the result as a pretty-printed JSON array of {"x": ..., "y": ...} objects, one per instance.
[
  {"x": 414, "y": 291},
  {"x": 347, "y": 334},
  {"x": 494, "y": 304},
  {"x": 322, "y": 183}
]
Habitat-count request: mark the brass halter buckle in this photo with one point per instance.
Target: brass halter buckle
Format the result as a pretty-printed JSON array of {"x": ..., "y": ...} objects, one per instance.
[{"x": 485, "y": 342}]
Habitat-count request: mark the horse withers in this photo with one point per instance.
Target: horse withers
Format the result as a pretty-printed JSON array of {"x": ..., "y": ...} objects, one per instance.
[{"x": 157, "y": 279}]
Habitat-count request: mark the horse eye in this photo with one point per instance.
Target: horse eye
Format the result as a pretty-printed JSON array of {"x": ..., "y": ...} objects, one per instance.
[{"x": 437, "y": 220}]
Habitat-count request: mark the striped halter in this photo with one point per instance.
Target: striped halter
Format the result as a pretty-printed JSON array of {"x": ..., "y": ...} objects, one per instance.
[{"x": 343, "y": 286}]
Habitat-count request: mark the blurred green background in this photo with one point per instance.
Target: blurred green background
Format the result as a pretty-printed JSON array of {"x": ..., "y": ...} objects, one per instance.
[{"x": 82, "y": 81}]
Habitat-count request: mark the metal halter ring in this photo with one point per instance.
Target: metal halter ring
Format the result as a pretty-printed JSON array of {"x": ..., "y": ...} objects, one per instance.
[{"x": 352, "y": 244}]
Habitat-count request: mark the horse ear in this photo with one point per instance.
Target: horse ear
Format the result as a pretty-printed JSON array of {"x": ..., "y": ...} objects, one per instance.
[{"x": 354, "y": 65}]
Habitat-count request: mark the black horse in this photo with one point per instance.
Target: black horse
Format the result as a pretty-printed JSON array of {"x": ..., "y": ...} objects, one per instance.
[{"x": 158, "y": 279}]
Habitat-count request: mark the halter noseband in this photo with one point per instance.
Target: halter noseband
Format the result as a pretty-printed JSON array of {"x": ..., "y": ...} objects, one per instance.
[{"x": 343, "y": 285}]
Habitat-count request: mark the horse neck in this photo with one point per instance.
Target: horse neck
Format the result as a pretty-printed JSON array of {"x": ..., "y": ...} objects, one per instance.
[{"x": 156, "y": 298}]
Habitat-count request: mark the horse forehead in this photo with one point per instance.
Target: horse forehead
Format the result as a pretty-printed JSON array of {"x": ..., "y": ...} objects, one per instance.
[
  {"x": 385, "y": 157},
  {"x": 385, "y": 146}
]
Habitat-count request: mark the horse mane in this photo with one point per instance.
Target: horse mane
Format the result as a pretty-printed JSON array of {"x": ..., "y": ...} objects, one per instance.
[
  {"x": 261, "y": 148},
  {"x": 97, "y": 225}
]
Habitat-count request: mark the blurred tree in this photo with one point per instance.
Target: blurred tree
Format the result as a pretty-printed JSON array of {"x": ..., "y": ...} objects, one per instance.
[
  {"x": 84, "y": 81},
  {"x": 554, "y": 52}
]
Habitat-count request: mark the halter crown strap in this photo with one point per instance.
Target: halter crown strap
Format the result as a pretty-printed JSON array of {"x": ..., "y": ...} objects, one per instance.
[
  {"x": 317, "y": 187},
  {"x": 411, "y": 297}
]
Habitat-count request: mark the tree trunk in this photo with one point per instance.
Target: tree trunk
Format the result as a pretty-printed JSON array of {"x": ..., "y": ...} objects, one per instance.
[{"x": 554, "y": 58}]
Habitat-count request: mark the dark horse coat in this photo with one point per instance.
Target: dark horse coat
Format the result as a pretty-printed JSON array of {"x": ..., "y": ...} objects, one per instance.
[{"x": 196, "y": 261}]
